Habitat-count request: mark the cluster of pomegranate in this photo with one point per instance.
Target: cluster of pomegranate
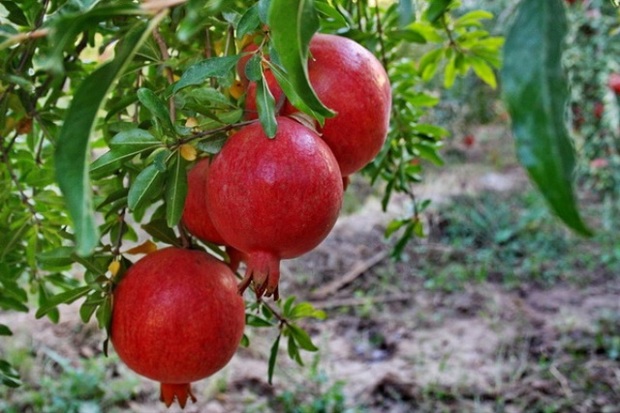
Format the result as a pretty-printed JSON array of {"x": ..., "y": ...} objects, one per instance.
[{"x": 178, "y": 314}]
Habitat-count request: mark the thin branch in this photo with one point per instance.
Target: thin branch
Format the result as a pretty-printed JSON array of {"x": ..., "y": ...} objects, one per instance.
[
  {"x": 163, "y": 48},
  {"x": 380, "y": 33}
]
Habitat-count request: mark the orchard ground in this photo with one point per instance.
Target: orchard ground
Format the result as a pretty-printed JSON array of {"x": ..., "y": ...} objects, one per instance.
[{"x": 499, "y": 309}]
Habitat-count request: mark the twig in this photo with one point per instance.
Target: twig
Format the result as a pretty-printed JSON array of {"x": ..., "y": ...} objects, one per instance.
[
  {"x": 356, "y": 301},
  {"x": 562, "y": 380},
  {"x": 384, "y": 60},
  {"x": 358, "y": 269},
  {"x": 163, "y": 48}
]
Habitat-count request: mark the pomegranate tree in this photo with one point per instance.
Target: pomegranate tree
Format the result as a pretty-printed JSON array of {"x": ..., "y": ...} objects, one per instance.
[
  {"x": 196, "y": 217},
  {"x": 351, "y": 81},
  {"x": 177, "y": 318},
  {"x": 273, "y": 198}
]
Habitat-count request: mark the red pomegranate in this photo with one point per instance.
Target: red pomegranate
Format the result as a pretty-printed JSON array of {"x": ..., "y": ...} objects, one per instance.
[
  {"x": 196, "y": 217},
  {"x": 273, "y": 198},
  {"x": 351, "y": 81},
  {"x": 251, "y": 111},
  {"x": 614, "y": 82},
  {"x": 177, "y": 318}
]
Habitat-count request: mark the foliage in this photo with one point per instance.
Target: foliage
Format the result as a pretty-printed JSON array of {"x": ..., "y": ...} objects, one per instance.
[
  {"x": 592, "y": 43},
  {"x": 510, "y": 238},
  {"x": 145, "y": 89}
]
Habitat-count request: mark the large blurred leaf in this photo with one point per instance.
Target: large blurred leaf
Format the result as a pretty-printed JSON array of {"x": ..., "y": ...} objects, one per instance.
[
  {"x": 72, "y": 148},
  {"x": 292, "y": 24},
  {"x": 535, "y": 91}
]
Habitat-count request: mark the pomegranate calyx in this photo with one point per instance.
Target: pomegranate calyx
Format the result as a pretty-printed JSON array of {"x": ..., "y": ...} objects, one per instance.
[
  {"x": 263, "y": 271},
  {"x": 170, "y": 391}
]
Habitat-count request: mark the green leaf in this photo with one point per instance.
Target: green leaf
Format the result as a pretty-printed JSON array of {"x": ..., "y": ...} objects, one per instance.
[
  {"x": 536, "y": 94},
  {"x": 330, "y": 12},
  {"x": 176, "y": 190},
  {"x": 57, "y": 257},
  {"x": 394, "y": 226},
  {"x": 89, "y": 306},
  {"x": 5, "y": 330},
  {"x": 249, "y": 22},
  {"x": 304, "y": 310},
  {"x": 302, "y": 338},
  {"x": 483, "y": 71},
  {"x": 159, "y": 230},
  {"x": 254, "y": 68},
  {"x": 156, "y": 106},
  {"x": 436, "y": 9},
  {"x": 72, "y": 146},
  {"x": 133, "y": 141},
  {"x": 66, "y": 297},
  {"x": 255, "y": 321},
  {"x": 273, "y": 355},
  {"x": 265, "y": 103},
  {"x": 197, "y": 73},
  {"x": 292, "y": 24},
  {"x": 212, "y": 145},
  {"x": 147, "y": 185},
  {"x": 473, "y": 18}
]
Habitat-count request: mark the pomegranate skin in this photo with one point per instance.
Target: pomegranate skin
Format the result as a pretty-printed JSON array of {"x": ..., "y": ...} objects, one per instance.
[
  {"x": 196, "y": 217},
  {"x": 177, "y": 318},
  {"x": 195, "y": 212},
  {"x": 274, "y": 198},
  {"x": 350, "y": 80}
]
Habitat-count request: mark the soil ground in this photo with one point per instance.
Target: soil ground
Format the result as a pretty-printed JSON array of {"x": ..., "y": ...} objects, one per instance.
[{"x": 390, "y": 344}]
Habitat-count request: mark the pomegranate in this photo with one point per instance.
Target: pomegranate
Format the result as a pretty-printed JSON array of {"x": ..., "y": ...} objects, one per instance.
[
  {"x": 177, "y": 318},
  {"x": 614, "y": 82},
  {"x": 251, "y": 111},
  {"x": 351, "y": 81},
  {"x": 273, "y": 198},
  {"x": 196, "y": 217}
]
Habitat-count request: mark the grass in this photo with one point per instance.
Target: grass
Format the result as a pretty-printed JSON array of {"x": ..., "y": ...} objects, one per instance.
[{"x": 511, "y": 239}]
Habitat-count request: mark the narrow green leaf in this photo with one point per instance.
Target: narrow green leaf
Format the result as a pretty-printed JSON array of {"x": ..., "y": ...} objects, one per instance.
[
  {"x": 450, "y": 73},
  {"x": 302, "y": 338},
  {"x": 57, "y": 257},
  {"x": 104, "y": 313},
  {"x": 176, "y": 190},
  {"x": 249, "y": 22},
  {"x": 304, "y": 310},
  {"x": 292, "y": 24},
  {"x": 9, "y": 303},
  {"x": 331, "y": 13},
  {"x": 473, "y": 18},
  {"x": 159, "y": 230},
  {"x": 5, "y": 330},
  {"x": 255, "y": 321},
  {"x": 273, "y": 355},
  {"x": 133, "y": 140},
  {"x": 254, "y": 68},
  {"x": 436, "y": 9},
  {"x": 293, "y": 350},
  {"x": 89, "y": 306},
  {"x": 66, "y": 297},
  {"x": 72, "y": 146},
  {"x": 394, "y": 226},
  {"x": 536, "y": 95},
  {"x": 156, "y": 106},
  {"x": 265, "y": 103},
  {"x": 201, "y": 71},
  {"x": 147, "y": 185},
  {"x": 483, "y": 71}
]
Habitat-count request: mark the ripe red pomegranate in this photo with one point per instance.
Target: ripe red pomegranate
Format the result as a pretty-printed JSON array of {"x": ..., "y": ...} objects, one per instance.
[
  {"x": 251, "y": 111},
  {"x": 614, "y": 82},
  {"x": 273, "y": 198},
  {"x": 177, "y": 318},
  {"x": 196, "y": 212},
  {"x": 351, "y": 81}
]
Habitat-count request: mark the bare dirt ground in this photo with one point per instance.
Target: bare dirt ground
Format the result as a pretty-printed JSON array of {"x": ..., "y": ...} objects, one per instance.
[{"x": 392, "y": 345}]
